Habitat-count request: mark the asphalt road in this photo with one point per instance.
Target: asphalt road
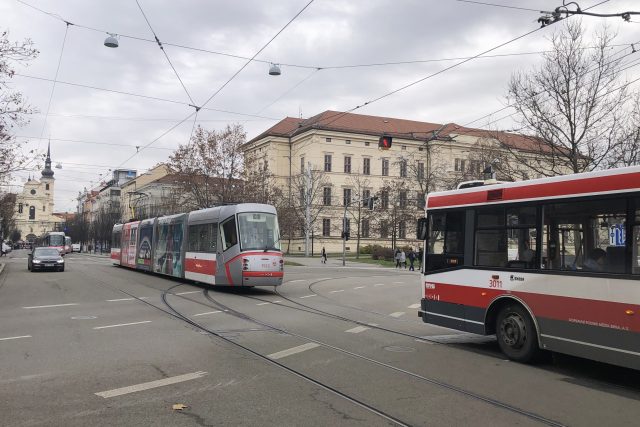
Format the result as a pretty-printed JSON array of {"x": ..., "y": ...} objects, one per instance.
[{"x": 102, "y": 345}]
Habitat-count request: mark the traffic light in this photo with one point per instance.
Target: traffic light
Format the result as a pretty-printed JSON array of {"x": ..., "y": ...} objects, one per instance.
[{"x": 385, "y": 142}]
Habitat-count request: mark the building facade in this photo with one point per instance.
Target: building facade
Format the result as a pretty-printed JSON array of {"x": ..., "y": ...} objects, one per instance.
[
  {"x": 328, "y": 166},
  {"x": 34, "y": 207}
]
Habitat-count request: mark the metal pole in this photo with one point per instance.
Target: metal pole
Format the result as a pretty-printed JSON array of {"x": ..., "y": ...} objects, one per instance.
[
  {"x": 344, "y": 232},
  {"x": 307, "y": 208}
]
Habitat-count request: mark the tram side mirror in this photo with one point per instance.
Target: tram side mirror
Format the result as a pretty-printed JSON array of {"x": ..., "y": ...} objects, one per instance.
[
  {"x": 422, "y": 229},
  {"x": 553, "y": 248}
]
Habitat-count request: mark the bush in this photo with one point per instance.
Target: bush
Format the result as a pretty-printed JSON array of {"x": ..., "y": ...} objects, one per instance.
[
  {"x": 366, "y": 250},
  {"x": 379, "y": 252}
]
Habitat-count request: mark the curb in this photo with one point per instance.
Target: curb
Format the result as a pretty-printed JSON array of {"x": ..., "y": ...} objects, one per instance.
[{"x": 2, "y": 267}]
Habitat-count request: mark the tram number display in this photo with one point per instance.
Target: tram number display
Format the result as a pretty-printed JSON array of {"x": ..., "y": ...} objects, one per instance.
[{"x": 495, "y": 283}]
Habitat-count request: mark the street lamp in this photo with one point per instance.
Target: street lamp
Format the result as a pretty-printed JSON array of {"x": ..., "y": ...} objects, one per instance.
[
  {"x": 111, "y": 41},
  {"x": 274, "y": 70}
]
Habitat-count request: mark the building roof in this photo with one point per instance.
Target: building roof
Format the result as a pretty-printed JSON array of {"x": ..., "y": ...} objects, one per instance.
[{"x": 401, "y": 128}]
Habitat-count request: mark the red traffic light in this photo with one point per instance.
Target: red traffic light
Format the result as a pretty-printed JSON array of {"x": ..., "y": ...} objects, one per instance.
[{"x": 385, "y": 142}]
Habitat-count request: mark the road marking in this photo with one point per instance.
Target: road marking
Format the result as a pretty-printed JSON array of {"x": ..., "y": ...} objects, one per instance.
[
  {"x": 359, "y": 287},
  {"x": 309, "y": 296},
  {"x": 122, "y": 324},
  {"x": 49, "y": 306},
  {"x": 150, "y": 385},
  {"x": 15, "y": 338},
  {"x": 208, "y": 312},
  {"x": 398, "y": 282},
  {"x": 263, "y": 303},
  {"x": 414, "y": 306},
  {"x": 324, "y": 278},
  {"x": 125, "y": 299},
  {"x": 297, "y": 280},
  {"x": 357, "y": 329},
  {"x": 397, "y": 314},
  {"x": 379, "y": 284},
  {"x": 189, "y": 292},
  {"x": 275, "y": 302},
  {"x": 333, "y": 292},
  {"x": 294, "y": 350}
]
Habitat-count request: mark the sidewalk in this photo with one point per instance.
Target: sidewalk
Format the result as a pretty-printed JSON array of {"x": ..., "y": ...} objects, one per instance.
[{"x": 332, "y": 261}]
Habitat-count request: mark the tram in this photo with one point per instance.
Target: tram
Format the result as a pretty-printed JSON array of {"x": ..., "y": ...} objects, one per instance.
[
  {"x": 234, "y": 245},
  {"x": 52, "y": 239},
  {"x": 67, "y": 244}
]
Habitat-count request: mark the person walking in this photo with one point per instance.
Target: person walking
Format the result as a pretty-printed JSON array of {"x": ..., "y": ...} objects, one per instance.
[
  {"x": 323, "y": 256},
  {"x": 5, "y": 249},
  {"x": 403, "y": 258},
  {"x": 412, "y": 258},
  {"x": 397, "y": 258}
]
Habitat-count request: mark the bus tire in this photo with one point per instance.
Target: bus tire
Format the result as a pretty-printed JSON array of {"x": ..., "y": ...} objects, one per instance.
[{"x": 516, "y": 334}]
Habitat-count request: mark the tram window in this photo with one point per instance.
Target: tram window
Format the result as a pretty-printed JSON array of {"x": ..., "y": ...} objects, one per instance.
[
  {"x": 635, "y": 243},
  {"x": 202, "y": 237},
  {"x": 229, "y": 234},
  {"x": 115, "y": 243},
  {"x": 585, "y": 236}
]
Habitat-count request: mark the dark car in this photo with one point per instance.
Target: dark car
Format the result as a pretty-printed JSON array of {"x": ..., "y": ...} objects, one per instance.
[{"x": 45, "y": 259}]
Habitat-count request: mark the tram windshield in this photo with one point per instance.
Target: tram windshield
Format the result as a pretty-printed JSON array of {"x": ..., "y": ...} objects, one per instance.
[
  {"x": 56, "y": 240},
  {"x": 258, "y": 231}
]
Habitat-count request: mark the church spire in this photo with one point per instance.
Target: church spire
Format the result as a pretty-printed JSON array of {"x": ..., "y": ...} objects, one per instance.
[{"x": 47, "y": 172}]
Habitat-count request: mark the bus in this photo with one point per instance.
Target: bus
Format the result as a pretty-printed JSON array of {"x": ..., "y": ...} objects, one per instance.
[
  {"x": 546, "y": 264},
  {"x": 52, "y": 239},
  {"x": 233, "y": 245}
]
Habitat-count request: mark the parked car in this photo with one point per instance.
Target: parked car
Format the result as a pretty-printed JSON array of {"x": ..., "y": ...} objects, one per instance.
[
  {"x": 75, "y": 247},
  {"x": 45, "y": 258}
]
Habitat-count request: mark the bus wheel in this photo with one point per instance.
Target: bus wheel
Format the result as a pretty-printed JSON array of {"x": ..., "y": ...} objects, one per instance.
[{"x": 516, "y": 334}]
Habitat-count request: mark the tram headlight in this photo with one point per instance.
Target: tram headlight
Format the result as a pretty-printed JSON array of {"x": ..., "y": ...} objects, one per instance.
[
  {"x": 245, "y": 264},
  {"x": 281, "y": 264}
]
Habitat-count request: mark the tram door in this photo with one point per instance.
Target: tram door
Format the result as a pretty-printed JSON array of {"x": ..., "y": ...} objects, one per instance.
[{"x": 229, "y": 270}]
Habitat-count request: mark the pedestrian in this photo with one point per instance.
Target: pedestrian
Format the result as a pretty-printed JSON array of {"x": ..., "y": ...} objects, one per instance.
[
  {"x": 403, "y": 258},
  {"x": 397, "y": 258},
  {"x": 412, "y": 258},
  {"x": 5, "y": 249},
  {"x": 323, "y": 256}
]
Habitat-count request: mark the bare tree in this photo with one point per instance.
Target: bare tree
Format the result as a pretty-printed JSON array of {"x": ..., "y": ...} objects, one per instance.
[
  {"x": 210, "y": 166},
  {"x": 258, "y": 182},
  {"x": 13, "y": 107},
  {"x": 7, "y": 213},
  {"x": 574, "y": 106},
  {"x": 628, "y": 152},
  {"x": 396, "y": 211},
  {"x": 358, "y": 210}
]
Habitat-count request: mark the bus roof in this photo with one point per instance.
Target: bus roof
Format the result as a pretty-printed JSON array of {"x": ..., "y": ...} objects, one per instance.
[{"x": 582, "y": 184}]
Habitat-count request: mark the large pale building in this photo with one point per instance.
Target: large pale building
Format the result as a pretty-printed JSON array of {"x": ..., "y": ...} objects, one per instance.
[
  {"x": 333, "y": 160},
  {"x": 34, "y": 207}
]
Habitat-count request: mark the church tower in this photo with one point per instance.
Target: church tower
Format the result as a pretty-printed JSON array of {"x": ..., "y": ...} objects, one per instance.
[{"x": 47, "y": 181}]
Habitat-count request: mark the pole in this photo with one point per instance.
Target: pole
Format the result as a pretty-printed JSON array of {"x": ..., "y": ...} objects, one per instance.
[
  {"x": 307, "y": 209},
  {"x": 344, "y": 232}
]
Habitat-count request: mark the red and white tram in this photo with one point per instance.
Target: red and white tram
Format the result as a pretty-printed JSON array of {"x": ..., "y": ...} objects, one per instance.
[
  {"x": 235, "y": 245},
  {"x": 550, "y": 264},
  {"x": 53, "y": 239},
  {"x": 116, "y": 241}
]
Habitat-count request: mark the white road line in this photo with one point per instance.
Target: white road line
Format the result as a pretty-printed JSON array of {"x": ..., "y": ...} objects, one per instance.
[
  {"x": 122, "y": 324},
  {"x": 397, "y": 314},
  {"x": 297, "y": 280},
  {"x": 357, "y": 329},
  {"x": 359, "y": 287},
  {"x": 309, "y": 296},
  {"x": 324, "y": 278},
  {"x": 49, "y": 306},
  {"x": 150, "y": 385},
  {"x": 209, "y": 312},
  {"x": 379, "y": 284},
  {"x": 275, "y": 302},
  {"x": 263, "y": 303},
  {"x": 15, "y": 338},
  {"x": 189, "y": 292},
  {"x": 294, "y": 350},
  {"x": 414, "y": 306},
  {"x": 126, "y": 299},
  {"x": 398, "y": 282},
  {"x": 333, "y": 292}
]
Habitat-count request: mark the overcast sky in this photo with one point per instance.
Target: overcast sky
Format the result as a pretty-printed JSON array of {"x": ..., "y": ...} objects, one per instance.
[{"x": 328, "y": 33}]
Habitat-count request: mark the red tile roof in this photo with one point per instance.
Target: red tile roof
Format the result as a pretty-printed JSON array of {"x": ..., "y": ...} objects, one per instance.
[{"x": 401, "y": 128}]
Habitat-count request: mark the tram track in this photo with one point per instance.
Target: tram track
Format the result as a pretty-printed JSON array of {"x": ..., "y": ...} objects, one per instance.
[{"x": 171, "y": 311}]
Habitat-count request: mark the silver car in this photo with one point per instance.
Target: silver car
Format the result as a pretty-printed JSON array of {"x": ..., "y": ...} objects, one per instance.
[{"x": 45, "y": 259}]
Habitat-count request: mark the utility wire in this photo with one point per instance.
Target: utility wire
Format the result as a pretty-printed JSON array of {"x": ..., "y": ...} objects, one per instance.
[
  {"x": 81, "y": 141},
  {"x": 165, "y": 53},
  {"x": 497, "y": 5},
  {"x": 55, "y": 79}
]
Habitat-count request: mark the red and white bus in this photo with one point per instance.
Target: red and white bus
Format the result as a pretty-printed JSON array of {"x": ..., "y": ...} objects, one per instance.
[{"x": 551, "y": 264}]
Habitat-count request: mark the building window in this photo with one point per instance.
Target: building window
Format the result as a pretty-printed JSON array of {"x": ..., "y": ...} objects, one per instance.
[
  {"x": 366, "y": 194},
  {"x": 384, "y": 229},
  {"x": 364, "y": 228},
  {"x": 32, "y": 212},
  {"x": 46, "y": 186},
  {"x": 33, "y": 192},
  {"x": 403, "y": 168},
  {"x": 326, "y": 196},
  {"x": 475, "y": 166},
  {"x": 420, "y": 200},
  {"x": 328, "y": 139},
  {"x": 19, "y": 207},
  {"x": 402, "y": 230},
  {"x": 327, "y": 162},
  {"x": 403, "y": 199},
  {"x": 326, "y": 227},
  {"x": 346, "y": 196},
  {"x": 366, "y": 143},
  {"x": 404, "y": 147},
  {"x": 347, "y": 164},
  {"x": 301, "y": 164},
  {"x": 44, "y": 208},
  {"x": 384, "y": 199},
  {"x": 420, "y": 170},
  {"x": 385, "y": 167},
  {"x": 459, "y": 165},
  {"x": 366, "y": 166},
  {"x": 348, "y": 141},
  {"x": 302, "y": 202}
]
